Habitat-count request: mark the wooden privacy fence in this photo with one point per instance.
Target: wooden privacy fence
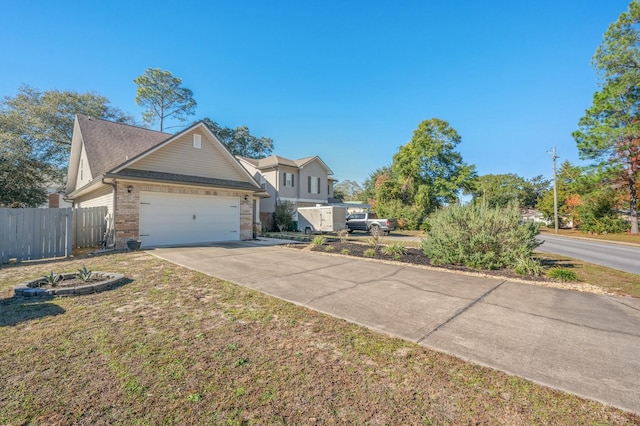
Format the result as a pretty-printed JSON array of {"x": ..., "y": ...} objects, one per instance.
[
  {"x": 30, "y": 234},
  {"x": 89, "y": 226}
]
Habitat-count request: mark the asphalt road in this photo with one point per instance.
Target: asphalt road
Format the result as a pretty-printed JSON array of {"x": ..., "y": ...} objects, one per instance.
[{"x": 613, "y": 255}]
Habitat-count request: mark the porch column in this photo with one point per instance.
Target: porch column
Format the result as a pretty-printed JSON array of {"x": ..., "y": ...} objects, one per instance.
[{"x": 257, "y": 226}]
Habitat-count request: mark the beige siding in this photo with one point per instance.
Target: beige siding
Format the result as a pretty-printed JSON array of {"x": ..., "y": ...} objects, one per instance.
[
  {"x": 180, "y": 157},
  {"x": 100, "y": 197},
  {"x": 84, "y": 173},
  {"x": 268, "y": 205},
  {"x": 313, "y": 169},
  {"x": 288, "y": 191}
]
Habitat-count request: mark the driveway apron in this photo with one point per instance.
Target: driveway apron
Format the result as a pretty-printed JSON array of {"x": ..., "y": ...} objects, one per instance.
[{"x": 582, "y": 343}]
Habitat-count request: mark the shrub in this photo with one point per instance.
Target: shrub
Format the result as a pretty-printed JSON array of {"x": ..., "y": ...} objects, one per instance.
[
  {"x": 318, "y": 240},
  {"x": 329, "y": 248},
  {"x": 343, "y": 235},
  {"x": 283, "y": 216},
  {"x": 562, "y": 274},
  {"x": 605, "y": 225},
  {"x": 479, "y": 237},
  {"x": 396, "y": 250},
  {"x": 344, "y": 251},
  {"x": 373, "y": 241},
  {"x": 528, "y": 266},
  {"x": 370, "y": 252}
]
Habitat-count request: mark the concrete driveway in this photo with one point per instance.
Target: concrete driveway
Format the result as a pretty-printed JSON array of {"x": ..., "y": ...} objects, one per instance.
[{"x": 581, "y": 343}]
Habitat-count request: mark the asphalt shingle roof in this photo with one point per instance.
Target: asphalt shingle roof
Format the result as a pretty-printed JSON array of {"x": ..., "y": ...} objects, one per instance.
[
  {"x": 173, "y": 177},
  {"x": 110, "y": 144}
]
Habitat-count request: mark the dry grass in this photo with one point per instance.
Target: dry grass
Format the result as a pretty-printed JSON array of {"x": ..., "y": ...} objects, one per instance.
[
  {"x": 174, "y": 346},
  {"x": 609, "y": 280}
]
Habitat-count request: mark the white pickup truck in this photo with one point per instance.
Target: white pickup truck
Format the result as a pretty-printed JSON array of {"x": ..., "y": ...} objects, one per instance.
[{"x": 369, "y": 222}]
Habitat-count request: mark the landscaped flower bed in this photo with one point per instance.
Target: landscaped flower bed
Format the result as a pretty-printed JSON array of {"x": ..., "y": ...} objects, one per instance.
[{"x": 69, "y": 284}]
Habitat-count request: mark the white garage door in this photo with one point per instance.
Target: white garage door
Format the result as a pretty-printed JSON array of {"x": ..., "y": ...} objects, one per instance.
[{"x": 167, "y": 219}]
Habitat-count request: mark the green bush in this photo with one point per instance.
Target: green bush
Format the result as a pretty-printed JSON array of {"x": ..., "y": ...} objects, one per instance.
[
  {"x": 318, "y": 240},
  {"x": 528, "y": 266},
  {"x": 283, "y": 216},
  {"x": 396, "y": 250},
  {"x": 479, "y": 237},
  {"x": 370, "y": 252},
  {"x": 604, "y": 225},
  {"x": 562, "y": 274}
]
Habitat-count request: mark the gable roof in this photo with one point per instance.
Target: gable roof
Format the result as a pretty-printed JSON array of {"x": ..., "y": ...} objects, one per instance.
[
  {"x": 111, "y": 147},
  {"x": 110, "y": 144},
  {"x": 276, "y": 160}
]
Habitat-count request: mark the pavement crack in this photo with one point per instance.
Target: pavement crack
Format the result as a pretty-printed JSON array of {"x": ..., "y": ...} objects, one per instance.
[
  {"x": 624, "y": 304},
  {"x": 460, "y": 312},
  {"x": 331, "y": 293},
  {"x": 563, "y": 321}
]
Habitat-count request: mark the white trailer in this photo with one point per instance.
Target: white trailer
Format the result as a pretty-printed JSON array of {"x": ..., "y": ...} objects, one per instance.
[{"x": 321, "y": 219}]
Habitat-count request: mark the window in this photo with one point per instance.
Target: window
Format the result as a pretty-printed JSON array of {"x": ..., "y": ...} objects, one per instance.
[
  {"x": 314, "y": 185},
  {"x": 287, "y": 179},
  {"x": 197, "y": 141}
]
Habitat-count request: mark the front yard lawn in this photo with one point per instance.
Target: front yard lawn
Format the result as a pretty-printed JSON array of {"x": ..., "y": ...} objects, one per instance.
[{"x": 174, "y": 346}]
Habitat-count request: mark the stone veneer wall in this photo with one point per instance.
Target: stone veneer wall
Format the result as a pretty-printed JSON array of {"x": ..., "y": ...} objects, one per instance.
[{"x": 127, "y": 208}]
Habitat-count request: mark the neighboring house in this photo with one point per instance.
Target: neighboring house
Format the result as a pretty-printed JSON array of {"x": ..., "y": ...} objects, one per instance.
[
  {"x": 160, "y": 188},
  {"x": 533, "y": 215},
  {"x": 55, "y": 197},
  {"x": 305, "y": 182}
]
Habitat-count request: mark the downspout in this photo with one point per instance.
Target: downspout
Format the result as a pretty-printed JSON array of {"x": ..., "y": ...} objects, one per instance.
[{"x": 115, "y": 207}]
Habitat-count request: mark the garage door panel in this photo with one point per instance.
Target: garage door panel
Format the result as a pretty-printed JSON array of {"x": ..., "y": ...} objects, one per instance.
[{"x": 167, "y": 219}]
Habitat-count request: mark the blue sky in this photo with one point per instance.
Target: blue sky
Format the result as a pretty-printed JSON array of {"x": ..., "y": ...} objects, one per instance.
[{"x": 346, "y": 80}]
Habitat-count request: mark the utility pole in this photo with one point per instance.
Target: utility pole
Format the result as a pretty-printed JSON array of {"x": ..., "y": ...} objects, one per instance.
[{"x": 555, "y": 189}]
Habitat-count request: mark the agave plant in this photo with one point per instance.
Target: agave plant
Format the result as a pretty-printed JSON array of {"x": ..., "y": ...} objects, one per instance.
[
  {"x": 84, "y": 274},
  {"x": 53, "y": 279}
]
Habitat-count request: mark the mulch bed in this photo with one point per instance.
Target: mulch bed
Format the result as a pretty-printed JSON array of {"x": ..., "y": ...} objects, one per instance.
[{"x": 413, "y": 256}]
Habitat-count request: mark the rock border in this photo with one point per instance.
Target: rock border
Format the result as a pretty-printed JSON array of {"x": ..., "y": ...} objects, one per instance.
[{"x": 25, "y": 289}]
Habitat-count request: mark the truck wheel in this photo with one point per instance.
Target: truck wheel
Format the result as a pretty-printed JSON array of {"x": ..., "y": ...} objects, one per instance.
[
  {"x": 374, "y": 230},
  {"x": 307, "y": 230}
]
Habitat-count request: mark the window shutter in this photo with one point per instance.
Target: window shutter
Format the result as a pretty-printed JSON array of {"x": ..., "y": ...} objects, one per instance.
[
  {"x": 309, "y": 180},
  {"x": 292, "y": 179},
  {"x": 284, "y": 179}
]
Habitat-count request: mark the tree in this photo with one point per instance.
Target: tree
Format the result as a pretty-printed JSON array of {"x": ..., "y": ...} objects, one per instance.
[
  {"x": 570, "y": 186},
  {"x": 350, "y": 189},
  {"x": 35, "y": 138},
  {"x": 430, "y": 167},
  {"x": 21, "y": 181},
  {"x": 163, "y": 97},
  {"x": 500, "y": 190},
  {"x": 426, "y": 174},
  {"x": 609, "y": 133},
  {"x": 240, "y": 141}
]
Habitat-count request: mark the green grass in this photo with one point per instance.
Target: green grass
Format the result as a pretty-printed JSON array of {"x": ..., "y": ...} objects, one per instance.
[{"x": 174, "y": 346}]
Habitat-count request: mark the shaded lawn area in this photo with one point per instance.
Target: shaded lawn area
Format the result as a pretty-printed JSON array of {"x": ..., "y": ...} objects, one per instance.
[{"x": 177, "y": 346}]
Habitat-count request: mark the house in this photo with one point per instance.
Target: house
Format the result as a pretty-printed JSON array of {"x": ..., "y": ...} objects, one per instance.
[
  {"x": 162, "y": 188},
  {"x": 305, "y": 182},
  {"x": 533, "y": 215}
]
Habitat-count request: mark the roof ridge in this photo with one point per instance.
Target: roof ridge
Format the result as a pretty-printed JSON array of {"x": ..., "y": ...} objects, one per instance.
[{"x": 91, "y": 118}]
